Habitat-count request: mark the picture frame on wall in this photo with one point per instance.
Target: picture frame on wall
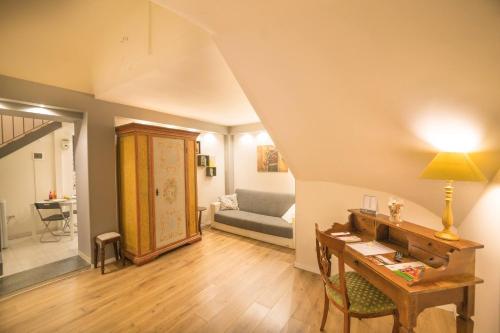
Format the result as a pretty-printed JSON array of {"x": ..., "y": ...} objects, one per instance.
[
  {"x": 202, "y": 160},
  {"x": 369, "y": 204},
  {"x": 269, "y": 159},
  {"x": 198, "y": 147}
]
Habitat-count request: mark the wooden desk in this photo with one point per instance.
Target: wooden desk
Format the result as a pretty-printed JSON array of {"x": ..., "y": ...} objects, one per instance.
[{"x": 450, "y": 278}]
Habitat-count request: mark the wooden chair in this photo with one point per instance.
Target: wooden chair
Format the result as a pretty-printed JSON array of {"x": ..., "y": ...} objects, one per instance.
[{"x": 349, "y": 292}]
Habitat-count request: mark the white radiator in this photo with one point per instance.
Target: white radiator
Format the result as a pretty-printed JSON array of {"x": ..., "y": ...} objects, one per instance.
[{"x": 3, "y": 224}]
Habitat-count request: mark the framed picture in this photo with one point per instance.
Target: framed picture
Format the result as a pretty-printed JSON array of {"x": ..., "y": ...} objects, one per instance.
[
  {"x": 198, "y": 147},
  {"x": 211, "y": 171},
  {"x": 202, "y": 160},
  {"x": 270, "y": 160},
  {"x": 370, "y": 204}
]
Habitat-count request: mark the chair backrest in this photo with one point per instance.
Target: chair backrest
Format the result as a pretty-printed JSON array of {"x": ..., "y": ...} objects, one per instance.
[
  {"x": 326, "y": 246},
  {"x": 47, "y": 209}
]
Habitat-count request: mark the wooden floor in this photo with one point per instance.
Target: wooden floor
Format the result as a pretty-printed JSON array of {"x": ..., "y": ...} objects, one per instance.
[{"x": 224, "y": 283}]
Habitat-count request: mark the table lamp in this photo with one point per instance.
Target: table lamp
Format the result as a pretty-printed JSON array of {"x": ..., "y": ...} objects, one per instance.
[{"x": 451, "y": 167}]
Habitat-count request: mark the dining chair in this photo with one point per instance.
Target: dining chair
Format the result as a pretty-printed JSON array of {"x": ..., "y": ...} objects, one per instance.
[
  {"x": 349, "y": 291},
  {"x": 51, "y": 212}
]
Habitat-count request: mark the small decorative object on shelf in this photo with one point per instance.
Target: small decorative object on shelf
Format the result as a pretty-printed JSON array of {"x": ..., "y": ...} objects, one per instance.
[
  {"x": 211, "y": 171},
  {"x": 370, "y": 204},
  {"x": 395, "y": 206},
  {"x": 211, "y": 161},
  {"x": 203, "y": 160}
]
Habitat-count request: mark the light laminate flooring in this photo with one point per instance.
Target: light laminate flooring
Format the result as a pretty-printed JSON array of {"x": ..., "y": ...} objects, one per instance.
[{"x": 224, "y": 283}]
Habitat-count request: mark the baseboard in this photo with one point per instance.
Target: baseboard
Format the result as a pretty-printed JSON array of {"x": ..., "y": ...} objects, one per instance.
[
  {"x": 20, "y": 235},
  {"x": 87, "y": 259},
  {"x": 84, "y": 257},
  {"x": 312, "y": 269},
  {"x": 281, "y": 241}
]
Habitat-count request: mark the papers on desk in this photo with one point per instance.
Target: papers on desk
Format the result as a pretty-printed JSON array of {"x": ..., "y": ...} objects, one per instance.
[
  {"x": 349, "y": 239},
  {"x": 345, "y": 237},
  {"x": 342, "y": 233},
  {"x": 371, "y": 248}
]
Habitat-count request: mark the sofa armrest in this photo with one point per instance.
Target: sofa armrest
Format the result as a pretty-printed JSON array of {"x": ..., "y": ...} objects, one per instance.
[{"x": 214, "y": 208}]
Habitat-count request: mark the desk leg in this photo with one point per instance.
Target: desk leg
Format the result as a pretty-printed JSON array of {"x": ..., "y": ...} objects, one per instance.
[
  {"x": 408, "y": 317},
  {"x": 465, "y": 311}
]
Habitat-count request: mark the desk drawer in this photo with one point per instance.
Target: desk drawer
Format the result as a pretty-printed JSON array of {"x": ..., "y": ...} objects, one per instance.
[
  {"x": 428, "y": 245},
  {"x": 430, "y": 258}
]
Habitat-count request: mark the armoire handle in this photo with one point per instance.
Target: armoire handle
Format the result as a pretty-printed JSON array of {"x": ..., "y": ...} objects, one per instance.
[{"x": 157, "y": 193}]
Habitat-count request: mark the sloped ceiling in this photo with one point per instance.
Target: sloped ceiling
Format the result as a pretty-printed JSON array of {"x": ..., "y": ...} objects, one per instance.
[
  {"x": 366, "y": 92},
  {"x": 127, "y": 51}
]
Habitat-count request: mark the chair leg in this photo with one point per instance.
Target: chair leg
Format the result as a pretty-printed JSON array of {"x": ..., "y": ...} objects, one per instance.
[
  {"x": 326, "y": 308},
  {"x": 103, "y": 255},
  {"x": 115, "y": 247},
  {"x": 347, "y": 323},
  {"x": 96, "y": 254},
  {"x": 47, "y": 230},
  {"x": 395, "y": 327}
]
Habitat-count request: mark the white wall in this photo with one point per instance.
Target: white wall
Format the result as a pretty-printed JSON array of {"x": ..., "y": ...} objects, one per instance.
[
  {"x": 63, "y": 161},
  {"x": 17, "y": 179},
  {"x": 325, "y": 203},
  {"x": 245, "y": 166},
  {"x": 483, "y": 225},
  {"x": 210, "y": 188}
]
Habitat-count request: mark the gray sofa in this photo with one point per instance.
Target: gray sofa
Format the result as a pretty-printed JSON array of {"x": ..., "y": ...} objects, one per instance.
[{"x": 259, "y": 217}]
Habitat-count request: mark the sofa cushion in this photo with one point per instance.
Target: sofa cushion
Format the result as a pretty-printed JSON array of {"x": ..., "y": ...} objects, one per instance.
[
  {"x": 265, "y": 203},
  {"x": 270, "y": 225}
]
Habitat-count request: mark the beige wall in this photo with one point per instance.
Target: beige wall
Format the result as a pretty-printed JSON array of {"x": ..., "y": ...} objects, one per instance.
[
  {"x": 18, "y": 187},
  {"x": 246, "y": 175},
  {"x": 325, "y": 203},
  {"x": 210, "y": 188},
  {"x": 483, "y": 225}
]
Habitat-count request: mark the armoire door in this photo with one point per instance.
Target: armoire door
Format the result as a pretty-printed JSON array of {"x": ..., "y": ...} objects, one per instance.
[{"x": 170, "y": 190}]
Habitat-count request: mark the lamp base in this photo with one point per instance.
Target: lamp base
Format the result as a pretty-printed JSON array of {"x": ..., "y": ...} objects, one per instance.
[{"x": 447, "y": 235}]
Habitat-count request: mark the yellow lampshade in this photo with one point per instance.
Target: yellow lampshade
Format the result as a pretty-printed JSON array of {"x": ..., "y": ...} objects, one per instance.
[
  {"x": 450, "y": 167},
  {"x": 453, "y": 166}
]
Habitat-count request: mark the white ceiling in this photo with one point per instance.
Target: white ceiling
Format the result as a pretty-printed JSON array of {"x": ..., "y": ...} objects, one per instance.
[
  {"x": 126, "y": 51},
  {"x": 365, "y": 92}
]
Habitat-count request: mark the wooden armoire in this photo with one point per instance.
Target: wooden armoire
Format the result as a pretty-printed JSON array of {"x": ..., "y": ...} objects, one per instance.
[{"x": 156, "y": 190}]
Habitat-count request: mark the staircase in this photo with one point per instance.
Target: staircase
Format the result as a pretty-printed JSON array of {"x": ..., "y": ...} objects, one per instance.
[{"x": 17, "y": 132}]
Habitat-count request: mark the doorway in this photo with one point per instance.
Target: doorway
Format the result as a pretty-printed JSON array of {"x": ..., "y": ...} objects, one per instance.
[{"x": 38, "y": 196}]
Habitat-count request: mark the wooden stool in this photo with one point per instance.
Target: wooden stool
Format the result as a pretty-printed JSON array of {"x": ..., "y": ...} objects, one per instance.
[
  {"x": 100, "y": 244},
  {"x": 200, "y": 210}
]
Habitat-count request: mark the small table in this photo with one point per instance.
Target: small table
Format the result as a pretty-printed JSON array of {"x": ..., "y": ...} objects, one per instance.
[{"x": 200, "y": 210}]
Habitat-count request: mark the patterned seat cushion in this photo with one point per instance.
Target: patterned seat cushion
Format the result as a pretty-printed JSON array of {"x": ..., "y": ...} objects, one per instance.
[{"x": 364, "y": 298}]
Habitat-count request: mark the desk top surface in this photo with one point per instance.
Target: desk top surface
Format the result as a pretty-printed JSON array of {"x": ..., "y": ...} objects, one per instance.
[
  {"x": 419, "y": 234},
  {"x": 418, "y": 230},
  {"x": 386, "y": 274}
]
